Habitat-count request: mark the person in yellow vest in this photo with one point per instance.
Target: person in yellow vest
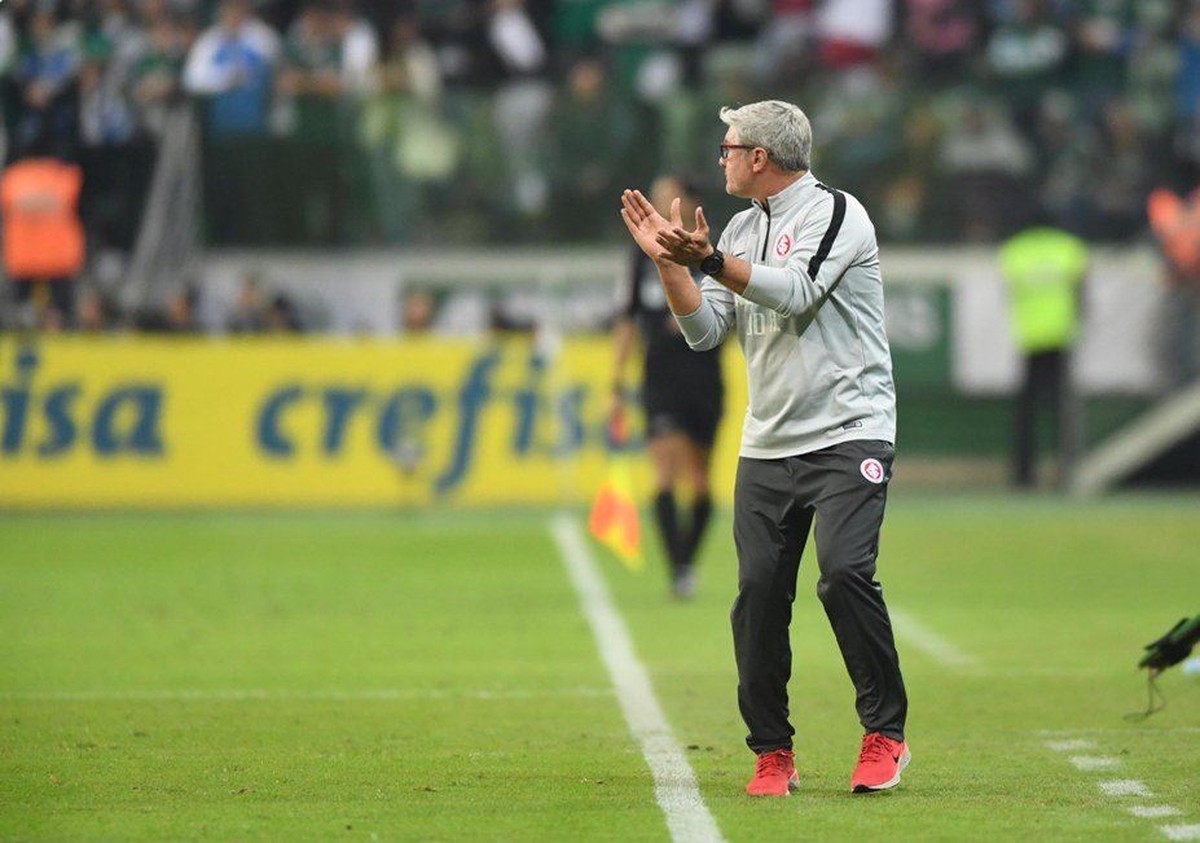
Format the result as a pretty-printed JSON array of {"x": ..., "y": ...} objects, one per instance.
[{"x": 1044, "y": 269}]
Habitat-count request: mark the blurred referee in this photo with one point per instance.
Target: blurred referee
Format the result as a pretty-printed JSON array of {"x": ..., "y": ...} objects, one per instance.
[
  {"x": 682, "y": 396},
  {"x": 796, "y": 276}
]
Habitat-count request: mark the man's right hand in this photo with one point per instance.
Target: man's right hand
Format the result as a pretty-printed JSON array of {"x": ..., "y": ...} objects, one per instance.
[
  {"x": 649, "y": 228},
  {"x": 645, "y": 224}
]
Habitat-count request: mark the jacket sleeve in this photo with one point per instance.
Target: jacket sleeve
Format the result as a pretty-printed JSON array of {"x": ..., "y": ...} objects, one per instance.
[
  {"x": 827, "y": 244},
  {"x": 201, "y": 75},
  {"x": 707, "y": 326}
]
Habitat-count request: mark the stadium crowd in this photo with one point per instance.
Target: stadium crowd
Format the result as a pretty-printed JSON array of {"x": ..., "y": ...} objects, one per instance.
[{"x": 336, "y": 122}]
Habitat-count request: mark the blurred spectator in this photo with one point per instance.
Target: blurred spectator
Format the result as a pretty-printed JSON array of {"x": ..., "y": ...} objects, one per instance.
[
  {"x": 359, "y": 46},
  {"x": 1066, "y": 146},
  {"x": 904, "y": 214},
  {"x": 43, "y": 238},
  {"x": 594, "y": 132},
  {"x": 1025, "y": 54},
  {"x": 116, "y": 159},
  {"x": 1044, "y": 269},
  {"x": 258, "y": 311},
  {"x": 784, "y": 47},
  {"x": 989, "y": 164},
  {"x": 46, "y": 74},
  {"x": 418, "y": 309},
  {"x": 852, "y": 32},
  {"x": 861, "y": 123},
  {"x": 943, "y": 35},
  {"x": 522, "y": 100},
  {"x": 411, "y": 66},
  {"x": 360, "y": 78},
  {"x": 232, "y": 64},
  {"x": 1102, "y": 37},
  {"x": 110, "y": 52},
  {"x": 466, "y": 312},
  {"x": 281, "y": 316},
  {"x": 1119, "y": 175},
  {"x": 158, "y": 74},
  {"x": 1187, "y": 89},
  {"x": 1151, "y": 68},
  {"x": 176, "y": 316},
  {"x": 248, "y": 316},
  {"x": 314, "y": 107},
  {"x": 1175, "y": 223},
  {"x": 574, "y": 26},
  {"x": 410, "y": 142},
  {"x": 94, "y": 312}
]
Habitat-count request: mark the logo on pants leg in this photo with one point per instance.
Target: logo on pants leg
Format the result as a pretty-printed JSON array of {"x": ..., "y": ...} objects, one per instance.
[{"x": 872, "y": 470}]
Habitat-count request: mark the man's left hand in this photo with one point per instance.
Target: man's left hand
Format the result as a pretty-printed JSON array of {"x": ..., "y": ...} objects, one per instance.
[{"x": 686, "y": 248}]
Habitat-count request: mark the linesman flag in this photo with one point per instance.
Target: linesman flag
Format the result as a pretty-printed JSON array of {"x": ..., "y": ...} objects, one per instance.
[{"x": 615, "y": 521}]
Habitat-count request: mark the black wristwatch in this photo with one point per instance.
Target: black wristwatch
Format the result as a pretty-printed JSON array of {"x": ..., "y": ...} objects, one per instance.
[{"x": 713, "y": 264}]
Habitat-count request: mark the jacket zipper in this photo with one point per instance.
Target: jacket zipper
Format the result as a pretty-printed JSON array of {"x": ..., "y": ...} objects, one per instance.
[{"x": 766, "y": 237}]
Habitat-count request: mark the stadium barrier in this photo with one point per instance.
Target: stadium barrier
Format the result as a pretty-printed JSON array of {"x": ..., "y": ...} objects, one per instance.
[
  {"x": 145, "y": 422},
  {"x": 354, "y": 419}
]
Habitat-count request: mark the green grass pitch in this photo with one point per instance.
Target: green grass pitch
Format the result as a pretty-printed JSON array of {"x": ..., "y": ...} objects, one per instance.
[{"x": 432, "y": 677}]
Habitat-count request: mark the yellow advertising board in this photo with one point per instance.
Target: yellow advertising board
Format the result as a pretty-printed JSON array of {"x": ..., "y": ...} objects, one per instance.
[{"x": 226, "y": 422}]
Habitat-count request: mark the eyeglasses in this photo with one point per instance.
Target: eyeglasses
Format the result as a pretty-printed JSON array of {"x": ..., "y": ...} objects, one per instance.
[{"x": 727, "y": 147}]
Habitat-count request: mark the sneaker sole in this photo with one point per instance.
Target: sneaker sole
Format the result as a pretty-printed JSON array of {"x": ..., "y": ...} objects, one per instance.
[
  {"x": 890, "y": 783},
  {"x": 793, "y": 786}
]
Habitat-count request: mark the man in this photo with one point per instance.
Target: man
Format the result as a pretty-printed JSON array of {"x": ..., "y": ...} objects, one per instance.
[
  {"x": 797, "y": 276},
  {"x": 682, "y": 395},
  {"x": 1175, "y": 222},
  {"x": 44, "y": 243},
  {"x": 1044, "y": 269},
  {"x": 232, "y": 65}
]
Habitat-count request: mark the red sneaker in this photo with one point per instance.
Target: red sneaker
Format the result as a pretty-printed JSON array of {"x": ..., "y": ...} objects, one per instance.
[
  {"x": 879, "y": 764},
  {"x": 774, "y": 774}
]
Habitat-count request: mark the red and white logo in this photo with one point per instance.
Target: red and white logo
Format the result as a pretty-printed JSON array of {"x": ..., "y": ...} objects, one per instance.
[
  {"x": 872, "y": 469},
  {"x": 783, "y": 245}
]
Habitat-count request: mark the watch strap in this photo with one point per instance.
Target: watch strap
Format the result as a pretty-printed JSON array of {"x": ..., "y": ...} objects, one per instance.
[{"x": 714, "y": 263}]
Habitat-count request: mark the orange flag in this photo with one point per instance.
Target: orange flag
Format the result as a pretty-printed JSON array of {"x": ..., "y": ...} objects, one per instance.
[{"x": 615, "y": 521}]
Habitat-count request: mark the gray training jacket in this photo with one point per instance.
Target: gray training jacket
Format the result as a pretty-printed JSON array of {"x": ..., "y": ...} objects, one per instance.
[{"x": 810, "y": 322}]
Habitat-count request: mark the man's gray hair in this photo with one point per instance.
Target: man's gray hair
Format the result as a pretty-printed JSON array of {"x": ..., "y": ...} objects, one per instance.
[{"x": 780, "y": 128}]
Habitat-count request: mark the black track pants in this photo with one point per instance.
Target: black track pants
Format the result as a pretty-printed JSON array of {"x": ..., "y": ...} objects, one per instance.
[{"x": 843, "y": 490}]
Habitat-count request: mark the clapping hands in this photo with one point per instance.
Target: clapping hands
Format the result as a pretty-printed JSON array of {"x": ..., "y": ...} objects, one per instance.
[{"x": 663, "y": 240}]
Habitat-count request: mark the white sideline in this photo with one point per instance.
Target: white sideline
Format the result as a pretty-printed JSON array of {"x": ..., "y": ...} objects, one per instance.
[
  {"x": 1125, "y": 787},
  {"x": 1120, "y": 788},
  {"x": 1092, "y": 763},
  {"x": 908, "y": 628},
  {"x": 283, "y": 695},
  {"x": 675, "y": 788},
  {"x": 1150, "y": 812}
]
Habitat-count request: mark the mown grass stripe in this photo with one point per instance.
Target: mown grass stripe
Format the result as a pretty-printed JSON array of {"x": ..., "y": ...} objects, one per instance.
[{"x": 675, "y": 788}]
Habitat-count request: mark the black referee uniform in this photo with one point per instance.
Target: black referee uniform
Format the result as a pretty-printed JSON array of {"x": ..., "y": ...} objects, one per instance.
[{"x": 682, "y": 392}]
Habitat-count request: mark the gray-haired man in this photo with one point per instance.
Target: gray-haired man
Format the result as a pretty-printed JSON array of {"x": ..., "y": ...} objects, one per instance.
[{"x": 797, "y": 276}]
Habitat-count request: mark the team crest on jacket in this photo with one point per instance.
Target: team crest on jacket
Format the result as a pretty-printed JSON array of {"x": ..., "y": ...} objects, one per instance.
[
  {"x": 783, "y": 245},
  {"x": 871, "y": 469}
]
